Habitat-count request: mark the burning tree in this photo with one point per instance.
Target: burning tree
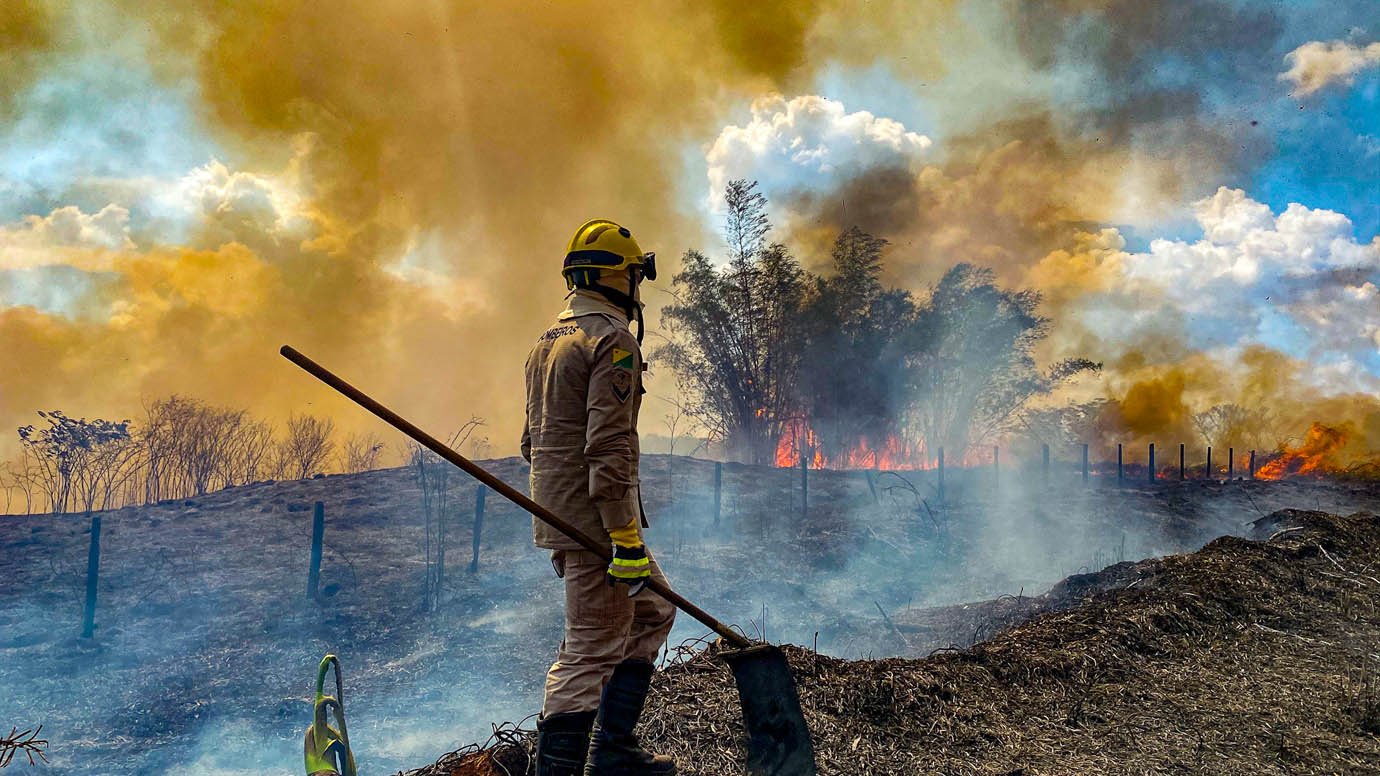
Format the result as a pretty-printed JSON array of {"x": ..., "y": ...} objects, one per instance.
[
  {"x": 776, "y": 361},
  {"x": 969, "y": 359},
  {"x": 852, "y": 391},
  {"x": 739, "y": 345}
]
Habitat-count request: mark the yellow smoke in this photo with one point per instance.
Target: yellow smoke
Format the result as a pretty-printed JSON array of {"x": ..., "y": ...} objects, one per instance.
[{"x": 443, "y": 152}]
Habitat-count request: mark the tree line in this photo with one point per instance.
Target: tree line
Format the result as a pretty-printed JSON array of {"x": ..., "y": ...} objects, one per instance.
[
  {"x": 183, "y": 447},
  {"x": 839, "y": 365}
]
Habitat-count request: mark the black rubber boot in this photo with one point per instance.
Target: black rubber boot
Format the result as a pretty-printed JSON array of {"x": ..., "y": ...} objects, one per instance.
[
  {"x": 613, "y": 749},
  {"x": 563, "y": 742}
]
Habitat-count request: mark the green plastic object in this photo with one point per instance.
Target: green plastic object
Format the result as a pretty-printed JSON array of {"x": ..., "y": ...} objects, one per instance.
[{"x": 326, "y": 749}]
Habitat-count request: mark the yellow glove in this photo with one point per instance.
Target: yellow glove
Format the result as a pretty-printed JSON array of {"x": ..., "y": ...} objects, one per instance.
[{"x": 630, "y": 564}]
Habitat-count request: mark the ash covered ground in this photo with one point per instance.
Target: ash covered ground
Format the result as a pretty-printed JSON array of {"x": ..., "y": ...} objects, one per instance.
[{"x": 207, "y": 643}]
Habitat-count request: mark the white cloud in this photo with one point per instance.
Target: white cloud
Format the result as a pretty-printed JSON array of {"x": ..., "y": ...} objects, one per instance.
[
  {"x": 805, "y": 139},
  {"x": 108, "y": 228},
  {"x": 246, "y": 205},
  {"x": 1297, "y": 280},
  {"x": 1245, "y": 243},
  {"x": 1341, "y": 317},
  {"x": 66, "y": 236},
  {"x": 1317, "y": 64}
]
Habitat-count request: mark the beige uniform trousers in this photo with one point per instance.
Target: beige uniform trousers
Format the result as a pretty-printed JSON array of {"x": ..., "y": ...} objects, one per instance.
[{"x": 603, "y": 627}]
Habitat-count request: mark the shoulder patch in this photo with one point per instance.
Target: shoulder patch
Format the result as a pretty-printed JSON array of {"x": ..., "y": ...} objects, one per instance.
[
  {"x": 621, "y": 383},
  {"x": 623, "y": 359}
]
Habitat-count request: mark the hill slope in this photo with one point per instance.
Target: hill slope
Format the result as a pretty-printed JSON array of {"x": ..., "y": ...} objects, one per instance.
[{"x": 1244, "y": 657}]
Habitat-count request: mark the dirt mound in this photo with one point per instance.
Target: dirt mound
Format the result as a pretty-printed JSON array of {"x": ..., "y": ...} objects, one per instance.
[{"x": 1244, "y": 657}]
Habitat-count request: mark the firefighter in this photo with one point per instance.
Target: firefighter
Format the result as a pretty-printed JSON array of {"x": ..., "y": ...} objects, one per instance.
[{"x": 584, "y": 390}]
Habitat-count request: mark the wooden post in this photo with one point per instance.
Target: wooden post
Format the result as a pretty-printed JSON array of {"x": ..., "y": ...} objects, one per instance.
[
  {"x": 1231, "y": 463},
  {"x": 441, "y": 524},
  {"x": 719, "y": 491},
  {"x": 1085, "y": 461},
  {"x": 941, "y": 474},
  {"x": 805, "y": 481},
  {"x": 996, "y": 465},
  {"x": 479, "y": 496},
  {"x": 1209, "y": 463},
  {"x": 1252, "y": 464},
  {"x": 1044, "y": 462},
  {"x": 93, "y": 573},
  {"x": 318, "y": 535},
  {"x": 1151, "y": 473},
  {"x": 1183, "y": 470},
  {"x": 1119, "y": 470}
]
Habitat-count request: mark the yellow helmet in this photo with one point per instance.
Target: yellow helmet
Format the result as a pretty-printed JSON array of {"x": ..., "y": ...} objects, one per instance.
[{"x": 599, "y": 245}]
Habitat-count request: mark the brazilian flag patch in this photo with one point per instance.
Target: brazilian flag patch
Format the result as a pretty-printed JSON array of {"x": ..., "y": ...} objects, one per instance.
[{"x": 623, "y": 359}]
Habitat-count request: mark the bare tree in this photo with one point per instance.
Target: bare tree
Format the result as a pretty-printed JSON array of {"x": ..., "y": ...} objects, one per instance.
[
  {"x": 248, "y": 452},
  {"x": 8, "y": 482},
  {"x": 434, "y": 477},
  {"x": 24, "y": 481},
  {"x": 677, "y": 423},
  {"x": 156, "y": 437},
  {"x": 360, "y": 453},
  {"x": 306, "y": 447},
  {"x": 1232, "y": 425},
  {"x": 205, "y": 443},
  {"x": 107, "y": 468},
  {"x": 70, "y": 456},
  {"x": 188, "y": 447},
  {"x": 480, "y": 447}
]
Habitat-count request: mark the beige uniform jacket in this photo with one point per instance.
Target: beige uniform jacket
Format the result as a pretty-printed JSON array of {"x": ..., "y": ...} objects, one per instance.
[{"x": 584, "y": 390}]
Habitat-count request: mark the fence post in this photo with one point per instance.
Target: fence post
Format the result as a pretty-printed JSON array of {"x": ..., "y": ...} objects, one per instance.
[
  {"x": 1252, "y": 464},
  {"x": 1209, "y": 463},
  {"x": 318, "y": 535},
  {"x": 1231, "y": 463},
  {"x": 1044, "y": 462},
  {"x": 805, "y": 481},
  {"x": 93, "y": 571},
  {"x": 719, "y": 491},
  {"x": 941, "y": 475},
  {"x": 1119, "y": 469},
  {"x": 1085, "y": 461},
  {"x": 479, "y": 495},
  {"x": 1183, "y": 470},
  {"x": 441, "y": 524}
]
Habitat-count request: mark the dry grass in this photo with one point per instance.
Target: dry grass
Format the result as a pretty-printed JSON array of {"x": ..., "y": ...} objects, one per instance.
[{"x": 1244, "y": 657}]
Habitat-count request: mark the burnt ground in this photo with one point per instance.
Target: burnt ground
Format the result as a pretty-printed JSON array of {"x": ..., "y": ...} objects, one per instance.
[
  {"x": 207, "y": 644},
  {"x": 1244, "y": 657}
]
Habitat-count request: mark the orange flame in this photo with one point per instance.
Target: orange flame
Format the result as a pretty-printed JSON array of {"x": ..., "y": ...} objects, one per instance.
[
  {"x": 892, "y": 455},
  {"x": 1316, "y": 456}
]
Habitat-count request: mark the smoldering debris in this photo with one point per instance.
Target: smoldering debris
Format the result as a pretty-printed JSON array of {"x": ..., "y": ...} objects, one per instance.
[
  {"x": 218, "y": 581},
  {"x": 1245, "y": 656}
]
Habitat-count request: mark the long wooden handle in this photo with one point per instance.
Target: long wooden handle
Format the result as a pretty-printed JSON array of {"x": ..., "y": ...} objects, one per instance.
[{"x": 479, "y": 473}]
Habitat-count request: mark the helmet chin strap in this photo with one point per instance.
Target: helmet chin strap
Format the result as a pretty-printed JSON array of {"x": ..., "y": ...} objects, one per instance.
[{"x": 629, "y": 305}]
